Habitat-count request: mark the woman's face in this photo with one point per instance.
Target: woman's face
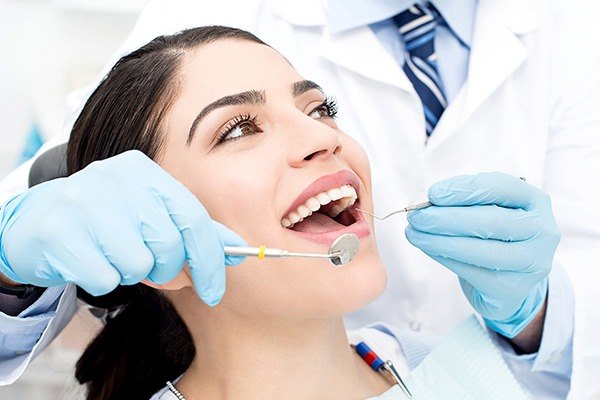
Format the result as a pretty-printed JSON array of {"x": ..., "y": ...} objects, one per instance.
[{"x": 257, "y": 144}]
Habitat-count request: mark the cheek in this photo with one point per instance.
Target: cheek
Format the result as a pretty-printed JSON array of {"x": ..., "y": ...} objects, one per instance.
[
  {"x": 232, "y": 191},
  {"x": 357, "y": 159}
]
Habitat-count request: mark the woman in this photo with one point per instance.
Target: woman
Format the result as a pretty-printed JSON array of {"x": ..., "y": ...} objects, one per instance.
[{"x": 257, "y": 144}]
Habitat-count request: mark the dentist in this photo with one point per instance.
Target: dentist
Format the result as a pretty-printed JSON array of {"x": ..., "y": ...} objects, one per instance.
[{"x": 436, "y": 92}]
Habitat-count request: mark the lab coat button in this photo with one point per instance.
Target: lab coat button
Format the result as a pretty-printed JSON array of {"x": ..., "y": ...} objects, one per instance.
[{"x": 415, "y": 325}]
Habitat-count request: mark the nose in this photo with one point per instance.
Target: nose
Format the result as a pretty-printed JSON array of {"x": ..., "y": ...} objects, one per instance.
[{"x": 312, "y": 140}]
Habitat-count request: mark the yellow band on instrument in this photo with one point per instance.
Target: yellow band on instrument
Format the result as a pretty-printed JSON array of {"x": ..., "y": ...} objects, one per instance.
[{"x": 261, "y": 252}]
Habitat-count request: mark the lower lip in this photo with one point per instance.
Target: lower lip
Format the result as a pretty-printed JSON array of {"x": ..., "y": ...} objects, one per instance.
[{"x": 360, "y": 228}]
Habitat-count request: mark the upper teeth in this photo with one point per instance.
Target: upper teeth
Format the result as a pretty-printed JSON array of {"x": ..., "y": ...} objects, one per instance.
[{"x": 345, "y": 194}]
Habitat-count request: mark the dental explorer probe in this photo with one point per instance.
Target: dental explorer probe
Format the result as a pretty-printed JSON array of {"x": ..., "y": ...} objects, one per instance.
[
  {"x": 413, "y": 207},
  {"x": 341, "y": 252}
]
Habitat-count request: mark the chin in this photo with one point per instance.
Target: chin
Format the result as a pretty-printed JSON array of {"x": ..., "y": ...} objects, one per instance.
[
  {"x": 368, "y": 287},
  {"x": 352, "y": 287}
]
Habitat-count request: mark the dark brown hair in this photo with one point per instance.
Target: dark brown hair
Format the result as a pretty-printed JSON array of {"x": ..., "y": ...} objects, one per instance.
[{"x": 146, "y": 343}]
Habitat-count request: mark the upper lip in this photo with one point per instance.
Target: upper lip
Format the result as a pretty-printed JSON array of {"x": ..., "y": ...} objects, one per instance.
[{"x": 331, "y": 181}]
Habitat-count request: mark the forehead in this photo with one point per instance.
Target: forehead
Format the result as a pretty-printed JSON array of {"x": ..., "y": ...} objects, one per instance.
[{"x": 232, "y": 66}]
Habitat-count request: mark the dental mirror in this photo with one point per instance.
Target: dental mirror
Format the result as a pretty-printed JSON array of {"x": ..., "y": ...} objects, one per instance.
[
  {"x": 341, "y": 252},
  {"x": 344, "y": 249}
]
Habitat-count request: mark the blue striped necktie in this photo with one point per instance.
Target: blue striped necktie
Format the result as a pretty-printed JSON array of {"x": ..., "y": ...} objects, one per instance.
[{"x": 417, "y": 28}]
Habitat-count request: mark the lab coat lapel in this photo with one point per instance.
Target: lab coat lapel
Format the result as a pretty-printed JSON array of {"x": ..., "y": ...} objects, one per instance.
[
  {"x": 496, "y": 53},
  {"x": 360, "y": 51}
]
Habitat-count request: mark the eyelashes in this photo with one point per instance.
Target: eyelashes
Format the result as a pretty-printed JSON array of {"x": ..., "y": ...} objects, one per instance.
[
  {"x": 240, "y": 126},
  {"x": 332, "y": 106},
  {"x": 246, "y": 125}
]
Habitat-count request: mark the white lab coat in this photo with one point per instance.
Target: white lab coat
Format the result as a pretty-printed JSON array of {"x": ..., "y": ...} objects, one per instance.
[{"x": 530, "y": 107}]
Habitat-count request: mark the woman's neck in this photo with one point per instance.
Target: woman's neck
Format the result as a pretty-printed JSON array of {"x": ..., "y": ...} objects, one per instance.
[{"x": 252, "y": 358}]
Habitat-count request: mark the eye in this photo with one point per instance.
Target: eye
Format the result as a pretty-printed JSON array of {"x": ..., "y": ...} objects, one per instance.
[
  {"x": 239, "y": 127},
  {"x": 319, "y": 112},
  {"x": 327, "y": 109}
]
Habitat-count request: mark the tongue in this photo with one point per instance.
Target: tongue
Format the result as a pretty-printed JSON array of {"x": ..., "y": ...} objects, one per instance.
[{"x": 317, "y": 223}]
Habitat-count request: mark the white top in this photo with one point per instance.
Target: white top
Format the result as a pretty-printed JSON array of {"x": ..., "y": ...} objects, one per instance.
[
  {"x": 465, "y": 365},
  {"x": 393, "y": 393},
  {"x": 385, "y": 345}
]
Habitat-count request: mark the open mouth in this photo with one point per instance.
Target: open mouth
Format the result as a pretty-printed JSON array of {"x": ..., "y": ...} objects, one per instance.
[{"x": 327, "y": 211}]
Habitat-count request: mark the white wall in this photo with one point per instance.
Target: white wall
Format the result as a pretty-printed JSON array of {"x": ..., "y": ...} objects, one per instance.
[{"x": 51, "y": 47}]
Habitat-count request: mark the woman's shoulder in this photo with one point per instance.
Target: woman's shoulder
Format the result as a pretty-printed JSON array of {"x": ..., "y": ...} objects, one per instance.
[{"x": 406, "y": 349}]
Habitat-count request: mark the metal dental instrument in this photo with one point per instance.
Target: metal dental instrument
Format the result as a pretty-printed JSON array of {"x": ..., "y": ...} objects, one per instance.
[
  {"x": 413, "y": 207},
  {"x": 341, "y": 252},
  {"x": 345, "y": 247}
]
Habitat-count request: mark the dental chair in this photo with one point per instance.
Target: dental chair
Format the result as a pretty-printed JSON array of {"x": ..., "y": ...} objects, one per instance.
[{"x": 50, "y": 165}]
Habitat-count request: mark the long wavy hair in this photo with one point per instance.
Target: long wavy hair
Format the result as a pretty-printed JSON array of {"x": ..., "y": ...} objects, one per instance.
[{"x": 146, "y": 343}]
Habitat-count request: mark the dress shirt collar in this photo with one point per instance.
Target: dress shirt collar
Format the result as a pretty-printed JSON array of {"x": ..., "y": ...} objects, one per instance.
[{"x": 344, "y": 15}]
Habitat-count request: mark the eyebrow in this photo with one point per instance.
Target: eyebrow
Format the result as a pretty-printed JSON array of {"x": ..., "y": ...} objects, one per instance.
[
  {"x": 247, "y": 97},
  {"x": 304, "y": 86}
]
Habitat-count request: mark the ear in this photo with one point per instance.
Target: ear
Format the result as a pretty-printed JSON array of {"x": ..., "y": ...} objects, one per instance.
[{"x": 181, "y": 281}]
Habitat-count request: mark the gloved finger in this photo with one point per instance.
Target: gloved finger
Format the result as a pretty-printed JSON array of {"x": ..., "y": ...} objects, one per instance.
[
  {"x": 230, "y": 238},
  {"x": 165, "y": 241},
  {"x": 485, "y": 188},
  {"x": 498, "y": 306},
  {"x": 495, "y": 295},
  {"x": 169, "y": 253},
  {"x": 119, "y": 240},
  {"x": 490, "y": 254},
  {"x": 94, "y": 274},
  {"x": 485, "y": 222},
  {"x": 487, "y": 292},
  {"x": 203, "y": 248}
]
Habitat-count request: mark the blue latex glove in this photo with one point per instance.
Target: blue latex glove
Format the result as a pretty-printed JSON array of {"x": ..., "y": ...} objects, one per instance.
[
  {"x": 116, "y": 222},
  {"x": 498, "y": 234}
]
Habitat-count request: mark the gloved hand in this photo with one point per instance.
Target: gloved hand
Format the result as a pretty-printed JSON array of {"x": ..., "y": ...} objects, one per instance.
[
  {"x": 498, "y": 234},
  {"x": 116, "y": 222}
]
